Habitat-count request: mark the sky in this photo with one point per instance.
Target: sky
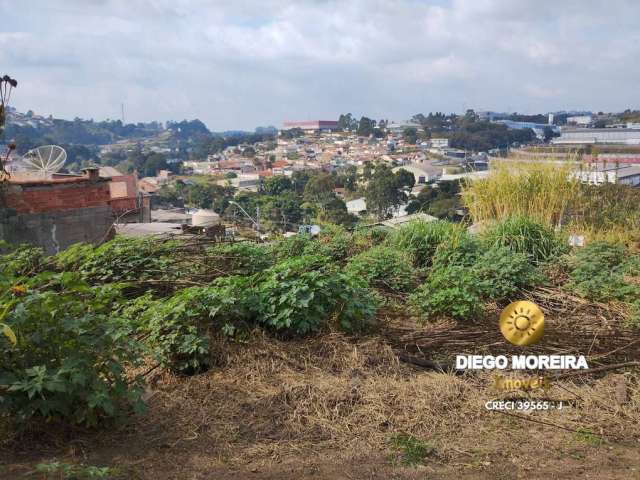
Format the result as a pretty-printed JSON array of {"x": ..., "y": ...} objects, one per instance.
[{"x": 239, "y": 64}]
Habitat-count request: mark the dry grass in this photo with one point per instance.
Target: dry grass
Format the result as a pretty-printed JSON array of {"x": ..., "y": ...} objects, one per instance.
[
  {"x": 335, "y": 400},
  {"x": 543, "y": 191},
  {"x": 334, "y": 404}
]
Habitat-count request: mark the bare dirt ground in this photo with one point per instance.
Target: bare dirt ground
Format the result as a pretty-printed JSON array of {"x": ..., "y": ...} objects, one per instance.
[{"x": 333, "y": 407}]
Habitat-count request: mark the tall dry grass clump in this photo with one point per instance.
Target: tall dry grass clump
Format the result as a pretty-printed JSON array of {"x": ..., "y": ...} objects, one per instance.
[{"x": 543, "y": 191}]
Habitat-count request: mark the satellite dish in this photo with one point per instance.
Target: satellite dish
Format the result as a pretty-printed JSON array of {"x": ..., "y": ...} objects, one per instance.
[{"x": 45, "y": 160}]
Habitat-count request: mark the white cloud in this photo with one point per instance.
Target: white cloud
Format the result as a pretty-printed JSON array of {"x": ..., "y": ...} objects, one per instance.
[{"x": 246, "y": 63}]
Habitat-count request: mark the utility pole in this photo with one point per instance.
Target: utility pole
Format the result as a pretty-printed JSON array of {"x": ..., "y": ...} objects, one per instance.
[{"x": 122, "y": 112}]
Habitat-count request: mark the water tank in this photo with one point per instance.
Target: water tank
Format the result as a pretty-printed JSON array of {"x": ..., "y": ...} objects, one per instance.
[{"x": 205, "y": 218}]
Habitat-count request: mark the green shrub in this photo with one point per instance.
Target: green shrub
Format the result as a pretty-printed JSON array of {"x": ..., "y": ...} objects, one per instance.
[
  {"x": 597, "y": 272},
  {"x": 70, "y": 359},
  {"x": 449, "y": 291},
  {"x": 461, "y": 250},
  {"x": 178, "y": 328},
  {"x": 241, "y": 258},
  {"x": 421, "y": 239},
  {"x": 462, "y": 279},
  {"x": 334, "y": 248},
  {"x": 502, "y": 273},
  {"x": 524, "y": 235},
  {"x": 126, "y": 259},
  {"x": 293, "y": 246},
  {"x": 73, "y": 257},
  {"x": 21, "y": 261},
  {"x": 333, "y": 241},
  {"x": 365, "y": 238},
  {"x": 384, "y": 268},
  {"x": 303, "y": 294}
]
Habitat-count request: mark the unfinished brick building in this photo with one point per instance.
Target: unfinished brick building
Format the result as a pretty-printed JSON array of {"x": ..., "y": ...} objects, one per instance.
[{"x": 56, "y": 212}]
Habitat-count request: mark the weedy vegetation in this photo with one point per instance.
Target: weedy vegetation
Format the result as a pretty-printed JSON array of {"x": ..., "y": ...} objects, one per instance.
[{"x": 81, "y": 330}]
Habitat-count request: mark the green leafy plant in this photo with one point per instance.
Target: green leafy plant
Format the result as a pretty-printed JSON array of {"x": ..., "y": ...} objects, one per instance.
[
  {"x": 384, "y": 268},
  {"x": 462, "y": 249},
  {"x": 302, "y": 294},
  {"x": 501, "y": 273},
  {"x": 71, "y": 354},
  {"x": 293, "y": 246},
  {"x": 449, "y": 291},
  {"x": 22, "y": 261},
  {"x": 239, "y": 258},
  {"x": 597, "y": 272},
  {"x": 73, "y": 257},
  {"x": 334, "y": 242},
  {"x": 178, "y": 329},
  {"x": 462, "y": 279},
  {"x": 6, "y": 330},
  {"x": 127, "y": 259},
  {"x": 634, "y": 318},
  {"x": 364, "y": 238}
]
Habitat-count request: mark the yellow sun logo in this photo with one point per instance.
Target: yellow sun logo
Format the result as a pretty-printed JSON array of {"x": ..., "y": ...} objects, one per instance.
[{"x": 522, "y": 323}]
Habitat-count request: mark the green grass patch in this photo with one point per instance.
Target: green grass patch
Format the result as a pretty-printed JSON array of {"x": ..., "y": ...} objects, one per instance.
[{"x": 411, "y": 450}]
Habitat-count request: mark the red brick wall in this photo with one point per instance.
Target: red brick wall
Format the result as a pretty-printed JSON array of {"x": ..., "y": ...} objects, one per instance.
[
  {"x": 56, "y": 195},
  {"x": 122, "y": 205}
]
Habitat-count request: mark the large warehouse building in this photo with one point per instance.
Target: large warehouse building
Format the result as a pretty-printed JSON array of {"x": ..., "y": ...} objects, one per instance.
[
  {"x": 312, "y": 125},
  {"x": 590, "y": 136}
]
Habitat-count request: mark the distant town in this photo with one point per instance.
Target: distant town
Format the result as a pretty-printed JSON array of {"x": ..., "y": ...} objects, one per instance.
[{"x": 176, "y": 177}]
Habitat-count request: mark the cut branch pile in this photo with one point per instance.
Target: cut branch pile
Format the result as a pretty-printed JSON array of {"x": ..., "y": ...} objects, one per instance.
[{"x": 573, "y": 326}]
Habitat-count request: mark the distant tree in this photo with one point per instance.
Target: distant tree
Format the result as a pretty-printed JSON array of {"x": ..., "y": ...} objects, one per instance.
[
  {"x": 248, "y": 201},
  {"x": 152, "y": 164},
  {"x": 271, "y": 160},
  {"x": 249, "y": 152},
  {"x": 203, "y": 195},
  {"x": 349, "y": 178},
  {"x": 345, "y": 121},
  {"x": 291, "y": 133},
  {"x": 405, "y": 179},
  {"x": 419, "y": 118},
  {"x": 365, "y": 126},
  {"x": 319, "y": 188},
  {"x": 383, "y": 193},
  {"x": 283, "y": 211},
  {"x": 482, "y": 136},
  {"x": 410, "y": 135},
  {"x": 299, "y": 180},
  {"x": 442, "y": 201},
  {"x": 367, "y": 170},
  {"x": 335, "y": 211},
  {"x": 277, "y": 185}
]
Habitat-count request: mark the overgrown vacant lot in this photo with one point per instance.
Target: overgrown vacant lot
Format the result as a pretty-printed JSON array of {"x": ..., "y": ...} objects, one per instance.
[
  {"x": 333, "y": 407},
  {"x": 327, "y": 357}
]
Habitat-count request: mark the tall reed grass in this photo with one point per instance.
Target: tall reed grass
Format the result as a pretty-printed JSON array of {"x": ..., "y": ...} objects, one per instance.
[
  {"x": 548, "y": 193},
  {"x": 543, "y": 191}
]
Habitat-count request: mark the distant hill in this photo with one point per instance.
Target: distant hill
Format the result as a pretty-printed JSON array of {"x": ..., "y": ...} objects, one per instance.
[
  {"x": 30, "y": 130},
  {"x": 129, "y": 146}
]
